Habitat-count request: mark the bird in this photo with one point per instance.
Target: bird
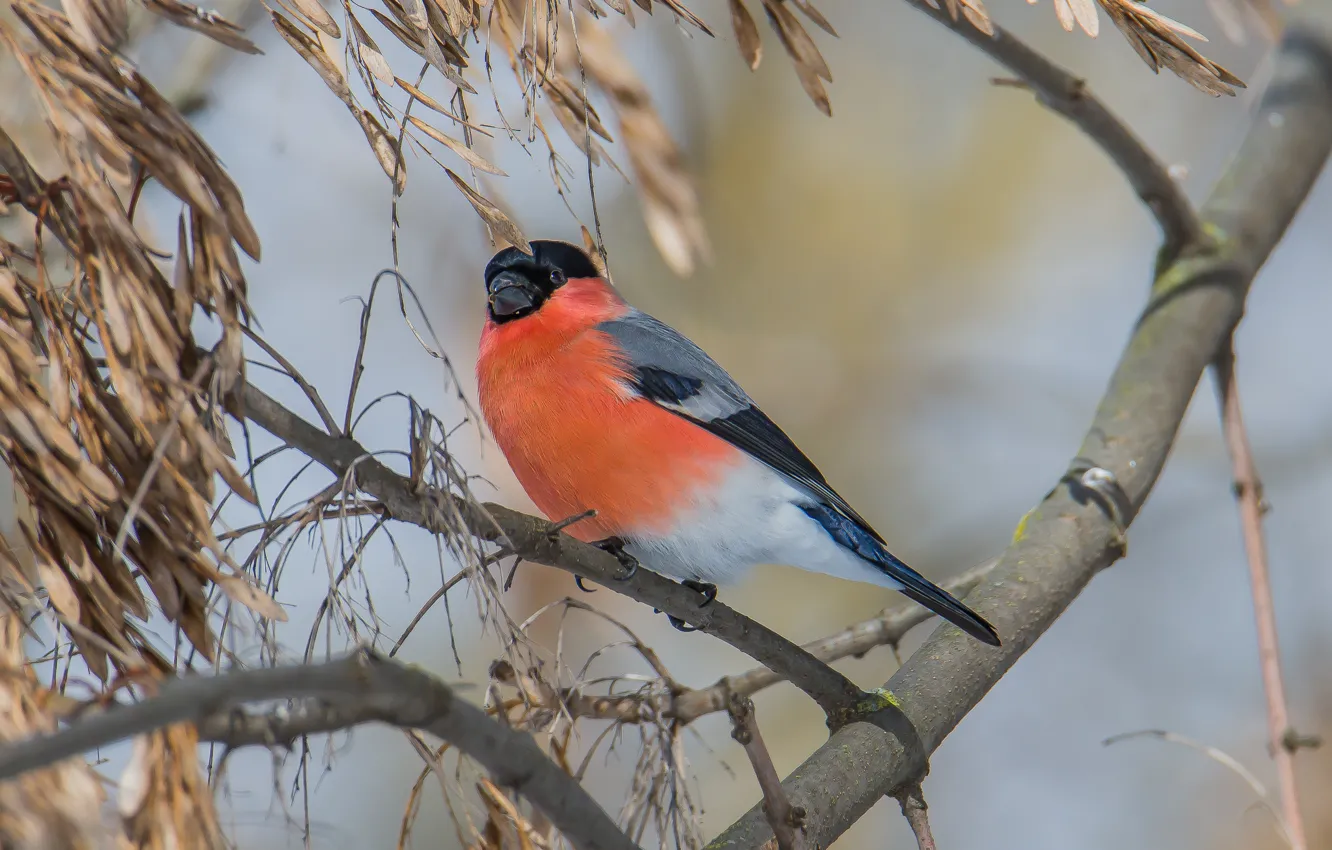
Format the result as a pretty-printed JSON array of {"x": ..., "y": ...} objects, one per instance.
[{"x": 610, "y": 416}]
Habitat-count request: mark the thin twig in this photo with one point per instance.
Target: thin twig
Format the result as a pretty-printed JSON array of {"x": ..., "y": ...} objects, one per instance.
[
  {"x": 787, "y": 821},
  {"x": 363, "y": 688},
  {"x": 1249, "y": 495},
  {"x": 358, "y": 364},
  {"x": 916, "y": 812},
  {"x": 430, "y": 603},
  {"x": 1219, "y": 756},
  {"x": 290, "y": 371}
]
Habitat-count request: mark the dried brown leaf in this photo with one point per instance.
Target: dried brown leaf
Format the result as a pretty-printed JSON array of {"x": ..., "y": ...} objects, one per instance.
[
  {"x": 815, "y": 16},
  {"x": 309, "y": 50},
  {"x": 974, "y": 12},
  {"x": 1158, "y": 40},
  {"x": 746, "y": 34},
  {"x": 97, "y": 483},
  {"x": 809, "y": 63},
  {"x": 801, "y": 46},
  {"x": 501, "y": 226},
  {"x": 376, "y": 63},
  {"x": 136, "y": 779},
  {"x": 385, "y": 148},
  {"x": 58, "y": 589},
  {"x": 399, "y": 32},
  {"x": 471, "y": 157},
  {"x": 209, "y": 23},
  {"x": 456, "y": 18},
  {"x": 593, "y": 251},
  {"x": 1078, "y": 13},
  {"x": 430, "y": 102},
  {"x": 245, "y": 592},
  {"x": 416, "y": 15},
  {"x": 686, "y": 15},
  {"x": 99, "y": 23},
  {"x": 315, "y": 12},
  {"x": 9, "y": 294}
]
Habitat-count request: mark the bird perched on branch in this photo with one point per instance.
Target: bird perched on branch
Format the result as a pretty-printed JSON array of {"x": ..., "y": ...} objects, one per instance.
[{"x": 598, "y": 406}]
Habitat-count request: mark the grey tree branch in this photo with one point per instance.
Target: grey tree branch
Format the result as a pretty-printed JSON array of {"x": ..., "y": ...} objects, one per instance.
[
  {"x": 535, "y": 540},
  {"x": 362, "y": 688},
  {"x": 1195, "y": 303},
  {"x": 1070, "y": 96}
]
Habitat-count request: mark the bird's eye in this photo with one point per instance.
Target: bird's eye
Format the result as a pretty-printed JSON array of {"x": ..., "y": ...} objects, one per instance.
[{"x": 557, "y": 277}]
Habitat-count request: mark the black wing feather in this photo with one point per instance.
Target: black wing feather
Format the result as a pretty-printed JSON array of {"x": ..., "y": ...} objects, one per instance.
[{"x": 669, "y": 370}]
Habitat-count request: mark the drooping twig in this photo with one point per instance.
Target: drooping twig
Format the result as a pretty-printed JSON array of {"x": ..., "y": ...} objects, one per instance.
[
  {"x": 1249, "y": 495},
  {"x": 916, "y": 812},
  {"x": 1222, "y": 758},
  {"x": 530, "y": 538},
  {"x": 787, "y": 821},
  {"x": 311, "y": 394},
  {"x": 362, "y": 688},
  {"x": 1070, "y": 96},
  {"x": 1062, "y": 543}
]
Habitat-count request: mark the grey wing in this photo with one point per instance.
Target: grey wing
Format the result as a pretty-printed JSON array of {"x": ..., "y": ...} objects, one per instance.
[{"x": 674, "y": 373}]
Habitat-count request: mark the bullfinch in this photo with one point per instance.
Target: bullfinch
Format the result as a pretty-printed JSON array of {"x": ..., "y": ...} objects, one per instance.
[{"x": 600, "y": 407}]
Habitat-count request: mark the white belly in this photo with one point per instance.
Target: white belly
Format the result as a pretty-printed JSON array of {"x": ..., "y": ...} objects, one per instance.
[{"x": 753, "y": 518}]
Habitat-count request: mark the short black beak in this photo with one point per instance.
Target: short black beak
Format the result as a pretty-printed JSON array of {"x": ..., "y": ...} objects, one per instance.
[{"x": 510, "y": 296}]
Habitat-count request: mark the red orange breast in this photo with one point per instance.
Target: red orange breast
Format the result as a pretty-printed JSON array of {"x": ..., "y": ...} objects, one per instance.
[{"x": 553, "y": 393}]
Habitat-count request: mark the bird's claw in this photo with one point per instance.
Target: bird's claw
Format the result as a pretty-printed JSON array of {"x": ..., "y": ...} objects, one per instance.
[
  {"x": 709, "y": 592},
  {"x": 578, "y": 580},
  {"x": 615, "y": 546}
]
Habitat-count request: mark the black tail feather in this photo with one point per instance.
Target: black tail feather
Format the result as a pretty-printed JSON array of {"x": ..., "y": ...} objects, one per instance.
[
  {"x": 857, "y": 537},
  {"x": 920, "y": 590}
]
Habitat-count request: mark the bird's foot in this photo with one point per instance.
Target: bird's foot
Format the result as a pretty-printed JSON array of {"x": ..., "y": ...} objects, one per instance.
[
  {"x": 615, "y": 546},
  {"x": 709, "y": 592}
]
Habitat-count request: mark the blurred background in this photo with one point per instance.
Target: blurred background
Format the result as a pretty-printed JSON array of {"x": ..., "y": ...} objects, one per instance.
[{"x": 928, "y": 292}]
